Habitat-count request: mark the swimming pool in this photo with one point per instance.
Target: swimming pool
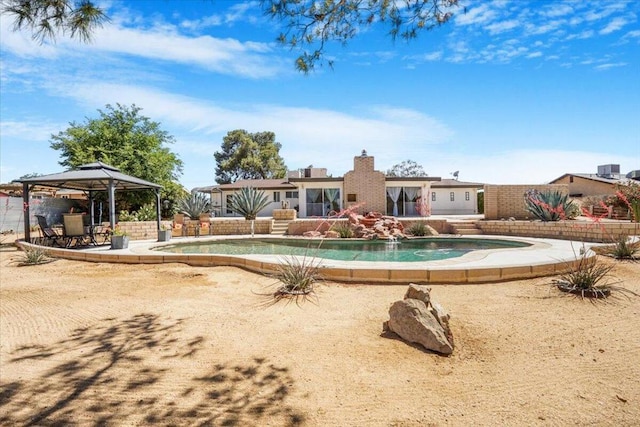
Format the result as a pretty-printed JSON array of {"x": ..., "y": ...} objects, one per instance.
[{"x": 405, "y": 250}]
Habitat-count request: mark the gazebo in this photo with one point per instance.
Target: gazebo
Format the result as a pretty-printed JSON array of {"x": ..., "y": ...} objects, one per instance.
[{"x": 90, "y": 178}]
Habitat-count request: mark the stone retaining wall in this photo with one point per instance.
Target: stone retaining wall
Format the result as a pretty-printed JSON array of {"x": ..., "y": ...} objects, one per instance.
[{"x": 583, "y": 231}]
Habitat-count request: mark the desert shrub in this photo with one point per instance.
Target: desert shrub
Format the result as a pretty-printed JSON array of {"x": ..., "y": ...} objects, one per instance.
[
  {"x": 623, "y": 249},
  {"x": 549, "y": 205},
  {"x": 297, "y": 275},
  {"x": 588, "y": 279},
  {"x": 419, "y": 229},
  {"x": 343, "y": 229},
  {"x": 34, "y": 255}
]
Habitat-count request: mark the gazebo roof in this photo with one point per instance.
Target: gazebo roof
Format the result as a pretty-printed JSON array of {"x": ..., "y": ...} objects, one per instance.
[{"x": 91, "y": 177}]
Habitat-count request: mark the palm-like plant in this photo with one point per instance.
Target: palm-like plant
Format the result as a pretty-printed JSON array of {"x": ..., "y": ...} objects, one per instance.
[
  {"x": 194, "y": 205},
  {"x": 248, "y": 202}
]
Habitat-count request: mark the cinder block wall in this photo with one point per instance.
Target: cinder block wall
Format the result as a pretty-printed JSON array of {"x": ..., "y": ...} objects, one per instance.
[
  {"x": 144, "y": 230},
  {"x": 507, "y": 201},
  {"x": 581, "y": 231}
]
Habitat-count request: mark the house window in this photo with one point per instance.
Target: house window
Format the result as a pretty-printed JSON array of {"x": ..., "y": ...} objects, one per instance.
[
  {"x": 276, "y": 196},
  {"x": 466, "y": 196},
  {"x": 322, "y": 201},
  {"x": 403, "y": 201},
  {"x": 229, "y": 199},
  {"x": 291, "y": 195},
  {"x": 452, "y": 196},
  {"x": 433, "y": 196},
  {"x": 352, "y": 197},
  {"x": 571, "y": 178}
]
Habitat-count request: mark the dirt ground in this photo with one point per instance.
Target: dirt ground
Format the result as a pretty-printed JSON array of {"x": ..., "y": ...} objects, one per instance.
[{"x": 108, "y": 344}]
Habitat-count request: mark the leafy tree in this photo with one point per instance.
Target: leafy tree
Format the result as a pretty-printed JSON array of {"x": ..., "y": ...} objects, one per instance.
[
  {"x": 30, "y": 175},
  {"x": 123, "y": 138},
  {"x": 406, "y": 169},
  {"x": 249, "y": 156},
  {"x": 307, "y": 24},
  {"x": 46, "y": 18}
]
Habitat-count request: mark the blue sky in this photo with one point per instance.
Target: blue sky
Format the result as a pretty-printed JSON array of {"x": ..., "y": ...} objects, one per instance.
[{"x": 511, "y": 92}]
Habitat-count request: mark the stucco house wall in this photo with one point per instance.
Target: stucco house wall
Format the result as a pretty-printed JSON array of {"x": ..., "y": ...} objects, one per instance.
[
  {"x": 454, "y": 201},
  {"x": 586, "y": 187}
]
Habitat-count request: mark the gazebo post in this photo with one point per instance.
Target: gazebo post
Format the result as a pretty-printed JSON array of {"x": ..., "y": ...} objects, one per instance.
[
  {"x": 27, "y": 213},
  {"x": 91, "y": 208},
  {"x": 158, "y": 207},
  {"x": 112, "y": 204}
]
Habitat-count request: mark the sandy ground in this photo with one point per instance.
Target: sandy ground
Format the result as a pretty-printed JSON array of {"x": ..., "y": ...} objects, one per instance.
[{"x": 108, "y": 344}]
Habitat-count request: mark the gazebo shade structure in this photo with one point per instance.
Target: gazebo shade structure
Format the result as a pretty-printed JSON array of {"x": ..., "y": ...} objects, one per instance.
[{"x": 90, "y": 178}]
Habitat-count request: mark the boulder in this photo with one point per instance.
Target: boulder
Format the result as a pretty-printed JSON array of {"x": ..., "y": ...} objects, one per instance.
[
  {"x": 419, "y": 319},
  {"x": 419, "y": 292},
  {"x": 332, "y": 234},
  {"x": 312, "y": 233},
  {"x": 412, "y": 321}
]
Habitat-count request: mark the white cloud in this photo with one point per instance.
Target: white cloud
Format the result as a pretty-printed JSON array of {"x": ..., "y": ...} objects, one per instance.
[
  {"x": 226, "y": 56},
  {"x": 555, "y": 10},
  {"x": 502, "y": 26},
  {"x": 478, "y": 15},
  {"x": 534, "y": 54},
  {"x": 586, "y": 34},
  {"x": 603, "y": 67},
  {"x": 27, "y": 130},
  {"x": 614, "y": 25}
]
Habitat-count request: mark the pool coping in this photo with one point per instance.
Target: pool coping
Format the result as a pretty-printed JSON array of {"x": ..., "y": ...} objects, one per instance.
[{"x": 545, "y": 257}]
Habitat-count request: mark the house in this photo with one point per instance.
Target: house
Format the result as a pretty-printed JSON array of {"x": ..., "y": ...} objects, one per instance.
[
  {"x": 593, "y": 184},
  {"x": 453, "y": 197},
  {"x": 315, "y": 194}
]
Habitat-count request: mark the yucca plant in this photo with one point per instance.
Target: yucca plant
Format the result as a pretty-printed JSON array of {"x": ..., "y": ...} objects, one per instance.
[
  {"x": 549, "y": 205},
  {"x": 248, "y": 202},
  {"x": 34, "y": 255},
  {"x": 194, "y": 205}
]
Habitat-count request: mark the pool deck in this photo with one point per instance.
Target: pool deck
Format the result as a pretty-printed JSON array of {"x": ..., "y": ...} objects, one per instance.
[{"x": 545, "y": 257}]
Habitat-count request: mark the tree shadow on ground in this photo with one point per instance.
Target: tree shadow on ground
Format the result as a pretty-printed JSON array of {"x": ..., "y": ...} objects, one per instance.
[{"x": 122, "y": 371}]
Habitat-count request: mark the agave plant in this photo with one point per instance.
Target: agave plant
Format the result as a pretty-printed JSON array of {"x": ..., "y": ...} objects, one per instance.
[
  {"x": 194, "y": 205},
  {"x": 549, "y": 205},
  {"x": 248, "y": 202}
]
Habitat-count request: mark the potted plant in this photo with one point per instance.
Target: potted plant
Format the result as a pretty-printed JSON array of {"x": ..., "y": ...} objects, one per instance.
[
  {"x": 164, "y": 234},
  {"x": 119, "y": 239}
]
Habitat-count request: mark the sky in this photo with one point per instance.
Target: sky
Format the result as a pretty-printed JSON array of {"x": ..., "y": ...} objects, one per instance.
[{"x": 507, "y": 92}]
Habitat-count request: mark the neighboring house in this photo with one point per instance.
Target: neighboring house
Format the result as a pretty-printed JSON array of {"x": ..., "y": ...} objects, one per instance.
[
  {"x": 597, "y": 184},
  {"x": 453, "y": 197},
  {"x": 314, "y": 194}
]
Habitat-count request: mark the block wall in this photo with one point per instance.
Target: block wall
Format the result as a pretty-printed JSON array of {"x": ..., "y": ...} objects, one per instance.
[
  {"x": 507, "y": 201},
  {"x": 145, "y": 230},
  {"x": 582, "y": 231}
]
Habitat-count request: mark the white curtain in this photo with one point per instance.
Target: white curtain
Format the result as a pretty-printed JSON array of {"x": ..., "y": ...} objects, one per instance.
[
  {"x": 411, "y": 194},
  {"x": 394, "y": 193},
  {"x": 331, "y": 194}
]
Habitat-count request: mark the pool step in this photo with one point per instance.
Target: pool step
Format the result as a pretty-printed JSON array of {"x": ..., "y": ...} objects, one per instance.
[
  {"x": 279, "y": 227},
  {"x": 467, "y": 228}
]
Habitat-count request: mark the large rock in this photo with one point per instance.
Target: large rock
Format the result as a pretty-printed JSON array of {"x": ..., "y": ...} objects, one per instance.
[
  {"x": 419, "y": 319},
  {"x": 413, "y": 322}
]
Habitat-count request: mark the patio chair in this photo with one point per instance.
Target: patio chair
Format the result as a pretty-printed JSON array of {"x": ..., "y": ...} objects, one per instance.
[
  {"x": 74, "y": 231},
  {"x": 50, "y": 236},
  {"x": 205, "y": 224},
  {"x": 178, "y": 229}
]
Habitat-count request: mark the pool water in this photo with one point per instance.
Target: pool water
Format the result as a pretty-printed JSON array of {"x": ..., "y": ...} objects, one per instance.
[{"x": 406, "y": 250}]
